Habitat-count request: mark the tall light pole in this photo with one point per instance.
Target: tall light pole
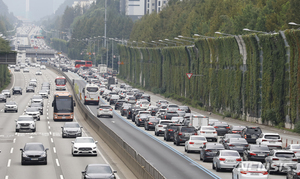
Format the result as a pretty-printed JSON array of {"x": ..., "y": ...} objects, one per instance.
[
  {"x": 224, "y": 34},
  {"x": 184, "y": 40},
  {"x": 245, "y": 29},
  {"x": 197, "y": 35},
  {"x": 293, "y": 23},
  {"x": 105, "y": 19},
  {"x": 112, "y": 53}
]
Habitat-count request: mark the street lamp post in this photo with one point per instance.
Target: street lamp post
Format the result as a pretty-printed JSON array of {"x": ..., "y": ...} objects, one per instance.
[
  {"x": 224, "y": 34},
  {"x": 183, "y": 40},
  {"x": 167, "y": 42},
  {"x": 245, "y": 29}
]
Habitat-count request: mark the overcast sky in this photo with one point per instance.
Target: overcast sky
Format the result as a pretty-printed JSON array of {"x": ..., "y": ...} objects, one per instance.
[{"x": 37, "y": 8}]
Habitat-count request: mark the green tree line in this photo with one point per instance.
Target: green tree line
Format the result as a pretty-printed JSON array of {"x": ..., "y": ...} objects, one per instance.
[{"x": 4, "y": 71}]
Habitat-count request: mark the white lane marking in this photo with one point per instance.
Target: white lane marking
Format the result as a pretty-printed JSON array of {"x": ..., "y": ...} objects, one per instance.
[
  {"x": 57, "y": 163},
  {"x": 51, "y": 140},
  {"x": 47, "y": 117},
  {"x": 54, "y": 150},
  {"x": 61, "y": 177},
  {"x": 11, "y": 150},
  {"x": 48, "y": 122},
  {"x": 8, "y": 163},
  {"x": 14, "y": 141},
  {"x": 47, "y": 114},
  {"x": 6, "y": 177},
  {"x": 50, "y": 133},
  {"x": 49, "y": 127}
]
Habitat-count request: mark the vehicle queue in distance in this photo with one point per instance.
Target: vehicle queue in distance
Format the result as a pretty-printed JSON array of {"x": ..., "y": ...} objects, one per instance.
[
  {"x": 63, "y": 110},
  {"x": 246, "y": 151}
]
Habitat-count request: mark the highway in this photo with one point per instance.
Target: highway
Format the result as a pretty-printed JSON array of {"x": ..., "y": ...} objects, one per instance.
[{"x": 61, "y": 163}]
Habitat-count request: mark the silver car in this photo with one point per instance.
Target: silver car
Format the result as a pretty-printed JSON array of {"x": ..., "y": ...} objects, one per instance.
[
  {"x": 43, "y": 93},
  {"x": 3, "y": 98},
  {"x": 11, "y": 106},
  {"x": 105, "y": 110},
  {"x": 25, "y": 122},
  {"x": 226, "y": 159},
  {"x": 280, "y": 161},
  {"x": 34, "y": 112},
  {"x": 6, "y": 93},
  {"x": 37, "y": 99},
  {"x": 71, "y": 129}
]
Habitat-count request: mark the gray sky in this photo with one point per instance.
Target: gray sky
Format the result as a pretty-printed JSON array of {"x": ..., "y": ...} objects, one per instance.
[{"x": 37, "y": 8}]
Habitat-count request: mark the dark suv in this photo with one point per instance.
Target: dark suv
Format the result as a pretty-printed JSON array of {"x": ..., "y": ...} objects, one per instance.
[
  {"x": 17, "y": 90},
  {"x": 251, "y": 133},
  {"x": 183, "y": 133},
  {"x": 119, "y": 104},
  {"x": 222, "y": 128},
  {"x": 169, "y": 132},
  {"x": 169, "y": 114}
]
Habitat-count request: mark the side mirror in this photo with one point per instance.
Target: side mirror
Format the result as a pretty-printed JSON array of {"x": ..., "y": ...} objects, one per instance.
[
  {"x": 46, "y": 149},
  {"x": 72, "y": 142},
  {"x": 114, "y": 171},
  {"x": 21, "y": 150},
  {"x": 96, "y": 142},
  {"x": 83, "y": 172}
]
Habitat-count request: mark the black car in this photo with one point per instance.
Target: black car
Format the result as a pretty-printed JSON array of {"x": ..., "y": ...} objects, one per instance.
[
  {"x": 34, "y": 153},
  {"x": 256, "y": 152},
  {"x": 130, "y": 111},
  {"x": 17, "y": 90},
  {"x": 294, "y": 172},
  {"x": 153, "y": 110},
  {"x": 221, "y": 128},
  {"x": 251, "y": 133},
  {"x": 119, "y": 104},
  {"x": 146, "y": 96},
  {"x": 150, "y": 122},
  {"x": 71, "y": 129},
  {"x": 209, "y": 151},
  {"x": 141, "y": 118},
  {"x": 3, "y": 98},
  {"x": 236, "y": 129},
  {"x": 124, "y": 109},
  {"x": 183, "y": 133},
  {"x": 169, "y": 132},
  {"x": 134, "y": 112},
  {"x": 29, "y": 89},
  {"x": 186, "y": 109},
  {"x": 169, "y": 114},
  {"x": 238, "y": 144},
  {"x": 98, "y": 171},
  {"x": 138, "y": 95},
  {"x": 225, "y": 138}
]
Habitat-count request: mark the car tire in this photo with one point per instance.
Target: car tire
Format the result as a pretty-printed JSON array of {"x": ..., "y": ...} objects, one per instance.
[
  {"x": 204, "y": 159},
  {"x": 111, "y": 116},
  {"x": 16, "y": 111},
  {"x": 165, "y": 138},
  {"x": 213, "y": 166},
  {"x": 5, "y": 111},
  {"x": 45, "y": 163},
  {"x": 155, "y": 133},
  {"x": 177, "y": 143},
  {"x": 17, "y": 130},
  {"x": 218, "y": 169},
  {"x": 22, "y": 162},
  {"x": 33, "y": 130},
  {"x": 188, "y": 151}
]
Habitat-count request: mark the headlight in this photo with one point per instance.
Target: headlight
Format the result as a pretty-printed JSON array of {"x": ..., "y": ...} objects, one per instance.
[
  {"x": 24, "y": 155},
  {"x": 75, "y": 148},
  {"x": 44, "y": 155}
]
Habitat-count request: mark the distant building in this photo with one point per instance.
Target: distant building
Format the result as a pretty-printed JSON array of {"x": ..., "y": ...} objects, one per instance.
[{"x": 137, "y": 8}]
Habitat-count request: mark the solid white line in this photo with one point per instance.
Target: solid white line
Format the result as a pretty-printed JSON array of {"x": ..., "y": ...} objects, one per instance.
[
  {"x": 8, "y": 163},
  {"x": 6, "y": 177},
  {"x": 51, "y": 140},
  {"x": 11, "y": 150},
  {"x": 61, "y": 177},
  {"x": 14, "y": 141},
  {"x": 57, "y": 163},
  {"x": 54, "y": 150}
]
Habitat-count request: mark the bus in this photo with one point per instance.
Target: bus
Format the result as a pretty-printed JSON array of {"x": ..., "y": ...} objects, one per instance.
[
  {"x": 82, "y": 63},
  {"x": 60, "y": 83},
  {"x": 63, "y": 106}
]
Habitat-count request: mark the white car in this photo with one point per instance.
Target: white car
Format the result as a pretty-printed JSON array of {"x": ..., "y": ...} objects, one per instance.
[
  {"x": 38, "y": 73},
  {"x": 194, "y": 143},
  {"x": 161, "y": 126},
  {"x": 11, "y": 106},
  {"x": 43, "y": 67},
  {"x": 105, "y": 110},
  {"x": 144, "y": 104},
  {"x": 84, "y": 146},
  {"x": 209, "y": 132},
  {"x": 43, "y": 93},
  {"x": 25, "y": 122},
  {"x": 250, "y": 170},
  {"x": 272, "y": 140}
]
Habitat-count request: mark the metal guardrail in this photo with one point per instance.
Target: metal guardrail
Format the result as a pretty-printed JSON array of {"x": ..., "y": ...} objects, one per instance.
[{"x": 133, "y": 160}]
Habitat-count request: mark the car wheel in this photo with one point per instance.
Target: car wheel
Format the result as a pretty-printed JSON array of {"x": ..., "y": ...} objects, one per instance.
[
  {"x": 16, "y": 111},
  {"x": 213, "y": 166},
  {"x": 45, "y": 163},
  {"x": 165, "y": 137},
  {"x": 5, "y": 111},
  {"x": 177, "y": 143},
  {"x": 218, "y": 169},
  {"x": 187, "y": 150},
  {"x": 17, "y": 130},
  {"x": 62, "y": 136},
  {"x": 111, "y": 116},
  {"x": 33, "y": 130},
  {"x": 22, "y": 162}
]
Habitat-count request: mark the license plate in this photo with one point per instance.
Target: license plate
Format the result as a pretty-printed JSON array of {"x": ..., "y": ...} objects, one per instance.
[
  {"x": 272, "y": 141},
  {"x": 253, "y": 137},
  {"x": 92, "y": 98},
  {"x": 34, "y": 158},
  {"x": 254, "y": 173},
  {"x": 261, "y": 155},
  {"x": 63, "y": 117},
  {"x": 230, "y": 161}
]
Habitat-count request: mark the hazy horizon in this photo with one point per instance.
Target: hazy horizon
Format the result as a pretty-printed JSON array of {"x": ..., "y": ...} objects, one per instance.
[{"x": 37, "y": 8}]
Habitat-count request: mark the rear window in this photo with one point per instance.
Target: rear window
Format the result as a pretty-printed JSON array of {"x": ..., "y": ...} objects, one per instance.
[
  {"x": 272, "y": 137},
  {"x": 253, "y": 131},
  {"x": 105, "y": 107},
  {"x": 261, "y": 147},
  {"x": 237, "y": 128},
  {"x": 154, "y": 119},
  {"x": 188, "y": 129},
  {"x": 197, "y": 138},
  {"x": 165, "y": 122},
  {"x": 208, "y": 128},
  {"x": 285, "y": 154},
  {"x": 214, "y": 146},
  {"x": 173, "y": 106},
  {"x": 92, "y": 89},
  {"x": 229, "y": 153}
]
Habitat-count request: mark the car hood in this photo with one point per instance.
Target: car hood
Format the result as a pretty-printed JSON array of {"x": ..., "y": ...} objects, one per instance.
[
  {"x": 22, "y": 122},
  {"x": 84, "y": 145},
  {"x": 10, "y": 105},
  {"x": 33, "y": 152},
  {"x": 99, "y": 175}
]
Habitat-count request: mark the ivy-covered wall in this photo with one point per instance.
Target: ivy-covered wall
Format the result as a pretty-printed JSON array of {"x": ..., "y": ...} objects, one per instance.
[{"x": 221, "y": 80}]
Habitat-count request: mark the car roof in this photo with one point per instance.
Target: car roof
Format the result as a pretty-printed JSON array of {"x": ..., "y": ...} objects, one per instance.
[{"x": 270, "y": 133}]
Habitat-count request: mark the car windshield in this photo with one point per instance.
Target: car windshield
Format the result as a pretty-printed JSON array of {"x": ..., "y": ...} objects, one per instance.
[
  {"x": 11, "y": 103},
  {"x": 99, "y": 169},
  {"x": 285, "y": 154},
  {"x": 25, "y": 118},
  {"x": 17, "y": 88},
  {"x": 37, "y": 97},
  {"x": 197, "y": 138},
  {"x": 154, "y": 119},
  {"x": 238, "y": 140},
  {"x": 35, "y": 147},
  {"x": 32, "y": 109},
  {"x": 84, "y": 140},
  {"x": 173, "y": 106},
  {"x": 188, "y": 129},
  {"x": 166, "y": 122},
  {"x": 71, "y": 125},
  {"x": 237, "y": 128},
  {"x": 208, "y": 128},
  {"x": 272, "y": 137},
  {"x": 259, "y": 147},
  {"x": 253, "y": 131},
  {"x": 92, "y": 89},
  {"x": 230, "y": 153}
]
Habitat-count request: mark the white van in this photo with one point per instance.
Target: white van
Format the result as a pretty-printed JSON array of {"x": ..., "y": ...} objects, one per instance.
[{"x": 91, "y": 94}]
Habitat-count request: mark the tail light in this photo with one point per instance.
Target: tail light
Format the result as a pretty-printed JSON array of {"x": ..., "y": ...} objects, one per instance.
[
  {"x": 195, "y": 133},
  {"x": 117, "y": 103},
  {"x": 140, "y": 119},
  {"x": 295, "y": 151},
  {"x": 238, "y": 159},
  {"x": 204, "y": 143},
  {"x": 245, "y": 136},
  {"x": 246, "y": 145},
  {"x": 141, "y": 105},
  {"x": 153, "y": 111},
  {"x": 231, "y": 145},
  {"x": 191, "y": 142},
  {"x": 253, "y": 154},
  {"x": 84, "y": 97},
  {"x": 222, "y": 159},
  {"x": 264, "y": 140},
  {"x": 180, "y": 133},
  {"x": 298, "y": 173},
  {"x": 214, "y": 132},
  {"x": 216, "y": 127},
  {"x": 129, "y": 111},
  {"x": 110, "y": 109},
  {"x": 98, "y": 97},
  {"x": 227, "y": 127},
  {"x": 263, "y": 172},
  {"x": 207, "y": 150},
  {"x": 202, "y": 132},
  {"x": 160, "y": 125},
  {"x": 275, "y": 159},
  {"x": 280, "y": 140},
  {"x": 170, "y": 130},
  {"x": 295, "y": 160},
  {"x": 165, "y": 117},
  {"x": 150, "y": 123},
  {"x": 100, "y": 109}
]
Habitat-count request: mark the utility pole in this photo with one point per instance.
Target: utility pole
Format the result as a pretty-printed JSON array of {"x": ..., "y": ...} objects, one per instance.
[
  {"x": 105, "y": 19},
  {"x": 112, "y": 54},
  {"x": 107, "y": 54}
]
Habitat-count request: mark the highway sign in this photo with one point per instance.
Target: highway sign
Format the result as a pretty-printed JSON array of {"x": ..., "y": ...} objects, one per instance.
[{"x": 189, "y": 75}]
